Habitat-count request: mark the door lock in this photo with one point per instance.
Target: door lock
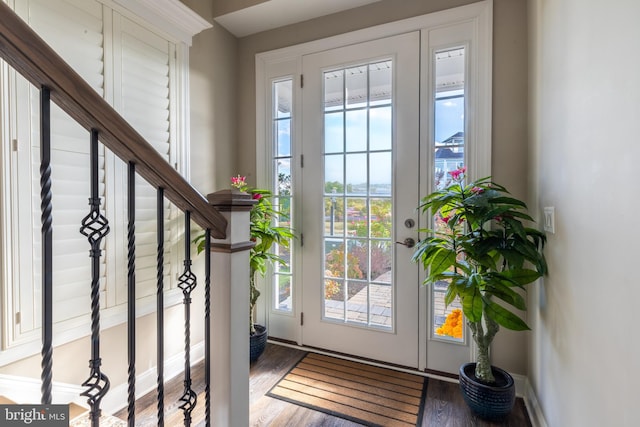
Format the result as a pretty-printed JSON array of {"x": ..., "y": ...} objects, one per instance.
[{"x": 408, "y": 242}]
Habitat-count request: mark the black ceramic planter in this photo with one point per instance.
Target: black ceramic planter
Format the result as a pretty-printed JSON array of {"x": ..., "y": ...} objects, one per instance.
[
  {"x": 491, "y": 402},
  {"x": 257, "y": 343}
]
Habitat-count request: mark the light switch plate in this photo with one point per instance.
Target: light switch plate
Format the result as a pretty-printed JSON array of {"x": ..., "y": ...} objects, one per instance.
[{"x": 550, "y": 219}]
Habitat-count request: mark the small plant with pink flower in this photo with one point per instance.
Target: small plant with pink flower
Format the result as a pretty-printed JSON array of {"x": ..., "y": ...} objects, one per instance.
[
  {"x": 265, "y": 233},
  {"x": 484, "y": 249}
]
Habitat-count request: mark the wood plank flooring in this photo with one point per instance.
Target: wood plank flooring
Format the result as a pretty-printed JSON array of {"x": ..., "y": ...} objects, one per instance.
[{"x": 444, "y": 407}]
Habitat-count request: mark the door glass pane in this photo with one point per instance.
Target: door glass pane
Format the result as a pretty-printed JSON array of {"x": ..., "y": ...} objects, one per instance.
[
  {"x": 334, "y": 90},
  {"x": 381, "y": 217},
  {"x": 356, "y": 130},
  {"x": 380, "y": 83},
  {"x": 282, "y": 200},
  {"x": 449, "y": 137},
  {"x": 358, "y": 276},
  {"x": 356, "y": 86},
  {"x": 380, "y": 128},
  {"x": 356, "y": 173},
  {"x": 380, "y": 173},
  {"x": 334, "y": 132}
]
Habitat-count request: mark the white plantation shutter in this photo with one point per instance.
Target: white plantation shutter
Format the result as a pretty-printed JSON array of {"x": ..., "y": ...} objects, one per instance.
[
  {"x": 135, "y": 70},
  {"x": 74, "y": 29},
  {"x": 142, "y": 62},
  {"x": 71, "y": 262}
]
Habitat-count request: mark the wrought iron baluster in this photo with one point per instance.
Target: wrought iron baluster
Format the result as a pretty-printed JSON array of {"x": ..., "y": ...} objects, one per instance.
[
  {"x": 207, "y": 326},
  {"x": 160, "y": 305},
  {"x": 131, "y": 293},
  {"x": 187, "y": 282},
  {"x": 95, "y": 227},
  {"x": 46, "y": 208}
]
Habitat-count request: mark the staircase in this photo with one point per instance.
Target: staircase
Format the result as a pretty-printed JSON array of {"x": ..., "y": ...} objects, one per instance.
[{"x": 224, "y": 213}]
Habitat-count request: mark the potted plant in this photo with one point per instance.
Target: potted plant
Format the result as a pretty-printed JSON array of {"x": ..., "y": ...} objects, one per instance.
[
  {"x": 484, "y": 253},
  {"x": 264, "y": 232}
]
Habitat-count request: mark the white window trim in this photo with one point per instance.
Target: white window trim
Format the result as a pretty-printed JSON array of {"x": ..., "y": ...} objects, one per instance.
[{"x": 174, "y": 22}]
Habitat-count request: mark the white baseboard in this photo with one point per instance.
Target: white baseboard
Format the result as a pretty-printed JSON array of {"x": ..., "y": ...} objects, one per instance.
[
  {"x": 116, "y": 399},
  {"x": 27, "y": 390},
  {"x": 525, "y": 391},
  {"x": 520, "y": 381},
  {"x": 533, "y": 406}
]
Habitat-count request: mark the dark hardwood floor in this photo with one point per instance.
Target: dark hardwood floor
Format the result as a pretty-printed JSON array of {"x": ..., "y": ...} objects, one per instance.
[{"x": 444, "y": 405}]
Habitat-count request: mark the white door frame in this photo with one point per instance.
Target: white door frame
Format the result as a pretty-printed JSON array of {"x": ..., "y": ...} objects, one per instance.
[{"x": 288, "y": 62}]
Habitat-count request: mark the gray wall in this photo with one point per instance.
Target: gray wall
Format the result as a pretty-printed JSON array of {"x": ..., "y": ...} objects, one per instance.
[
  {"x": 585, "y": 104},
  {"x": 213, "y": 61}
]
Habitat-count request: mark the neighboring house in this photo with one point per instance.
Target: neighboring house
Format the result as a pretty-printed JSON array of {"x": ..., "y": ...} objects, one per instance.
[
  {"x": 449, "y": 154},
  {"x": 564, "y": 81}
]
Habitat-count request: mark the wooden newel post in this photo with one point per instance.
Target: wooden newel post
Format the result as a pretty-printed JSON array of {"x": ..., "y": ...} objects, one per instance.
[{"x": 230, "y": 311}]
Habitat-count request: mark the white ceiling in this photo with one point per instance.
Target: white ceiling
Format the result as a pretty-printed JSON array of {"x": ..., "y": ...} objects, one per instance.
[{"x": 277, "y": 13}]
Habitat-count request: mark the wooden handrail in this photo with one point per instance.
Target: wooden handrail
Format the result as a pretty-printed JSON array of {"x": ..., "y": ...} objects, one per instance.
[{"x": 32, "y": 57}]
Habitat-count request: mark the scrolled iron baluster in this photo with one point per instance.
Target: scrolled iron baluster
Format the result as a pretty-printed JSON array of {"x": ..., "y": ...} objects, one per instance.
[
  {"x": 160, "y": 305},
  {"x": 46, "y": 208},
  {"x": 131, "y": 294},
  {"x": 207, "y": 326},
  {"x": 187, "y": 283},
  {"x": 95, "y": 227}
]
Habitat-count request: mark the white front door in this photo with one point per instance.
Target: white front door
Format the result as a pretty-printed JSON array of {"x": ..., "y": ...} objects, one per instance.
[{"x": 360, "y": 108}]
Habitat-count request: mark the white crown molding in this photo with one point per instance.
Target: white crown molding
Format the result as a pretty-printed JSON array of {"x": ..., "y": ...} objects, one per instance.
[{"x": 171, "y": 16}]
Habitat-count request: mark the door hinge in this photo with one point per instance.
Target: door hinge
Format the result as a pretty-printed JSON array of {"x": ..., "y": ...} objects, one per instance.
[
  {"x": 301, "y": 81},
  {"x": 301, "y": 239},
  {"x": 18, "y": 318},
  {"x": 14, "y": 145},
  {"x": 301, "y": 319},
  {"x": 301, "y": 160}
]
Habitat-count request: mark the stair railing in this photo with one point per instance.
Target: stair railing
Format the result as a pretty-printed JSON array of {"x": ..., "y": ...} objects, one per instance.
[{"x": 29, "y": 55}]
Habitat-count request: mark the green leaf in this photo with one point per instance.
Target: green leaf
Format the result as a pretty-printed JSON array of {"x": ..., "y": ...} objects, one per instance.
[
  {"x": 506, "y": 294},
  {"x": 515, "y": 226},
  {"x": 450, "y": 295},
  {"x": 522, "y": 275},
  {"x": 527, "y": 249},
  {"x": 504, "y": 317},
  {"x": 513, "y": 257},
  {"x": 472, "y": 305},
  {"x": 426, "y": 248},
  {"x": 521, "y": 215},
  {"x": 508, "y": 201},
  {"x": 440, "y": 261}
]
